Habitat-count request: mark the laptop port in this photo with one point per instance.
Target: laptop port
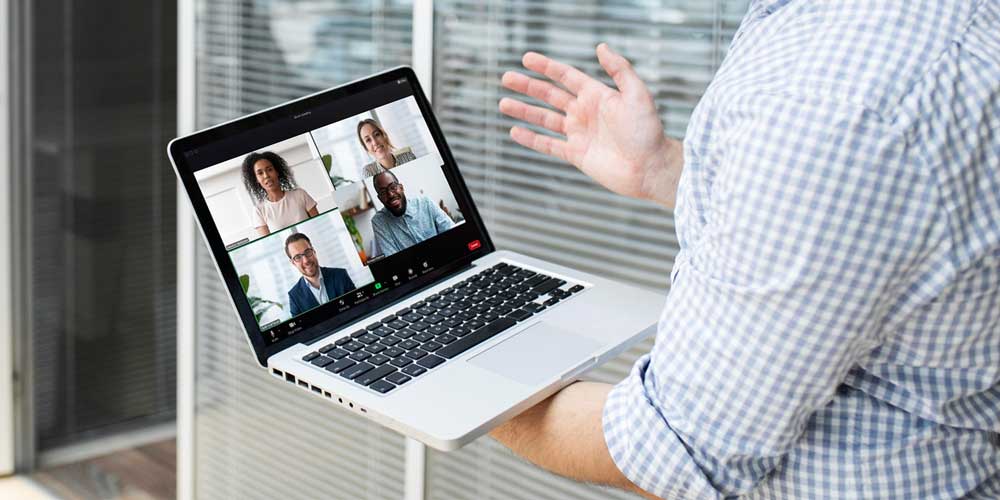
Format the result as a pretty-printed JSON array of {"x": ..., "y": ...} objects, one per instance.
[
  {"x": 317, "y": 390},
  {"x": 303, "y": 383},
  {"x": 276, "y": 372},
  {"x": 290, "y": 378}
]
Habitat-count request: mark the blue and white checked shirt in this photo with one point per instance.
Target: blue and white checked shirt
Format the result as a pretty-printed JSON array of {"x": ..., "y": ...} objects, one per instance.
[{"x": 833, "y": 325}]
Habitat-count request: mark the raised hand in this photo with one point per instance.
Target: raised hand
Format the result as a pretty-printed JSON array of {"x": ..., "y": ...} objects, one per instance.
[{"x": 614, "y": 136}]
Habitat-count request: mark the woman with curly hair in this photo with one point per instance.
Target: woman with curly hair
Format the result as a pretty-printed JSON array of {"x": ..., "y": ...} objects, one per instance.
[
  {"x": 376, "y": 142},
  {"x": 278, "y": 202}
]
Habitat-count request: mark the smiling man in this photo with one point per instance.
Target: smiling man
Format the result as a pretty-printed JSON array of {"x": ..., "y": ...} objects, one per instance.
[
  {"x": 402, "y": 223},
  {"x": 318, "y": 284}
]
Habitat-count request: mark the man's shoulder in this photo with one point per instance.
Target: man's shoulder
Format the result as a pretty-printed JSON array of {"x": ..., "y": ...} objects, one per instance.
[
  {"x": 297, "y": 287},
  {"x": 869, "y": 54},
  {"x": 381, "y": 216}
]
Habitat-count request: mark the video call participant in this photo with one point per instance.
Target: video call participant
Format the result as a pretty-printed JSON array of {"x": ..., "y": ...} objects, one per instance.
[
  {"x": 376, "y": 142},
  {"x": 318, "y": 284},
  {"x": 402, "y": 223},
  {"x": 279, "y": 203}
]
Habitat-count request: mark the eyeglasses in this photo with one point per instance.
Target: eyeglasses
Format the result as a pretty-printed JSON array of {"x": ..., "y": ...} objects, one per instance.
[
  {"x": 394, "y": 187},
  {"x": 297, "y": 258}
]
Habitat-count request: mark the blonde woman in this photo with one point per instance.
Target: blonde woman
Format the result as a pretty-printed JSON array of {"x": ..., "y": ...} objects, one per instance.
[{"x": 378, "y": 145}]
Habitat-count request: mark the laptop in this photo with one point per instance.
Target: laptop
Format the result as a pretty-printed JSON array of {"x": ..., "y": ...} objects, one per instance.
[{"x": 363, "y": 274}]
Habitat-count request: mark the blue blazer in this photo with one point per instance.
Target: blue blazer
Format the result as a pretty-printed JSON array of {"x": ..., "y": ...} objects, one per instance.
[{"x": 336, "y": 281}]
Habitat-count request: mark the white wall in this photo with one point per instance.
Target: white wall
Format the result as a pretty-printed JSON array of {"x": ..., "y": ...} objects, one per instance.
[{"x": 230, "y": 204}]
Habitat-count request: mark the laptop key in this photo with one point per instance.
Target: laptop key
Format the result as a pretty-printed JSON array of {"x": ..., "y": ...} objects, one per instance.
[
  {"x": 419, "y": 326},
  {"x": 401, "y": 362},
  {"x": 352, "y": 346},
  {"x": 368, "y": 339},
  {"x": 375, "y": 348},
  {"x": 533, "y": 307},
  {"x": 408, "y": 344},
  {"x": 322, "y": 361},
  {"x": 383, "y": 331},
  {"x": 372, "y": 375},
  {"x": 437, "y": 329},
  {"x": 311, "y": 356},
  {"x": 343, "y": 340},
  {"x": 341, "y": 365},
  {"x": 398, "y": 324},
  {"x": 390, "y": 340},
  {"x": 360, "y": 356},
  {"x": 358, "y": 333},
  {"x": 373, "y": 326},
  {"x": 393, "y": 352},
  {"x": 381, "y": 386},
  {"x": 388, "y": 319},
  {"x": 378, "y": 359},
  {"x": 416, "y": 353},
  {"x": 520, "y": 314},
  {"x": 397, "y": 378},
  {"x": 576, "y": 288},
  {"x": 444, "y": 338},
  {"x": 338, "y": 354},
  {"x": 356, "y": 370},
  {"x": 475, "y": 338},
  {"x": 538, "y": 279},
  {"x": 551, "y": 301},
  {"x": 430, "y": 361},
  {"x": 431, "y": 346},
  {"x": 547, "y": 285},
  {"x": 414, "y": 370},
  {"x": 401, "y": 312},
  {"x": 413, "y": 317},
  {"x": 326, "y": 348},
  {"x": 423, "y": 337},
  {"x": 460, "y": 331},
  {"x": 405, "y": 334}
]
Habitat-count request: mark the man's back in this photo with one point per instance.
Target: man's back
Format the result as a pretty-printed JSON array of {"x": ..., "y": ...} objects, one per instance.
[{"x": 833, "y": 328}]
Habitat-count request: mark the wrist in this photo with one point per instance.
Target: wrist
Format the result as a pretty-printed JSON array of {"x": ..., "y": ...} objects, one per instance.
[{"x": 663, "y": 172}]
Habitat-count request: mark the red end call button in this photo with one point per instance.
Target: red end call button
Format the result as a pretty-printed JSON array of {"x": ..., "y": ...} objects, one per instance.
[{"x": 474, "y": 244}]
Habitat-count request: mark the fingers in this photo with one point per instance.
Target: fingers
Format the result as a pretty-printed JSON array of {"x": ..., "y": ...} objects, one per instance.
[
  {"x": 541, "y": 143},
  {"x": 570, "y": 77},
  {"x": 620, "y": 70},
  {"x": 533, "y": 114},
  {"x": 543, "y": 91}
]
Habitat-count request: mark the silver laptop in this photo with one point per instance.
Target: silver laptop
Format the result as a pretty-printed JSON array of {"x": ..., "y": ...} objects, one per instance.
[{"x": 363, "y": 274}]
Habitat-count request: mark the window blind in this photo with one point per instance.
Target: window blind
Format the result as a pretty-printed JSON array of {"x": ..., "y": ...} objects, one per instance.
[
  {"x": 546, "y": 208},
  {"x": 251, "y": 54}
]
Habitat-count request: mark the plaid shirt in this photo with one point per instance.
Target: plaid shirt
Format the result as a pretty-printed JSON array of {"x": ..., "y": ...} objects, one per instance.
[{"x": 833, "y": 324}]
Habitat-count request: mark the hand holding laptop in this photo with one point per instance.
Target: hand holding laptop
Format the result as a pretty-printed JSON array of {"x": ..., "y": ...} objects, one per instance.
[{"x": 613, "y": 136}]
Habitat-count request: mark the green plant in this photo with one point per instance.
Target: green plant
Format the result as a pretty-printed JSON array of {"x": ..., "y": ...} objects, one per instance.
[{"x": 258, "y": 305}]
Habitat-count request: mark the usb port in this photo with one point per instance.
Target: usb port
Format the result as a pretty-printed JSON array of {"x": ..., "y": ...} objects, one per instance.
[{"x": 290, "y": 378}]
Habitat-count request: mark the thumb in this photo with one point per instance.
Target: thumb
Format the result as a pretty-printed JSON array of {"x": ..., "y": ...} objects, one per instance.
[{"x": 620, "y": 70}]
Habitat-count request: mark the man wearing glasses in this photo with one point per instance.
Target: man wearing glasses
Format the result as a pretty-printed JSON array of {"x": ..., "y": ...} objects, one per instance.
[
  {"x": 318, "y": 284},
  {"x": 402, "y": 223}
]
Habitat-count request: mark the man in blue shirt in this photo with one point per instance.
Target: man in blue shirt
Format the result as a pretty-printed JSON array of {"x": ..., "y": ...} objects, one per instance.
[
  {"x": 832, "y": 328},
  {"x": 403, "y": 222}
]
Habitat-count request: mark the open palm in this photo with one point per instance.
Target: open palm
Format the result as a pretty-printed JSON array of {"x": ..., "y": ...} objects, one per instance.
[{"x": 614, "y": 136}]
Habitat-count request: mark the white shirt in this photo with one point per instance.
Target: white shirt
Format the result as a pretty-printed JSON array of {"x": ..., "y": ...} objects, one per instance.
[{"x": 289, "y": 210}]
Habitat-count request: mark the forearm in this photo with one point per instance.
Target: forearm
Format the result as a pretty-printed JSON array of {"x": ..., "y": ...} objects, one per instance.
[
  {"x": 664, "y": 173},
  {"x": 563, "y": 434}
]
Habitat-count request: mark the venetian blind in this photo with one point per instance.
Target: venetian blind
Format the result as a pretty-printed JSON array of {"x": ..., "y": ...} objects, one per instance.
[
  {"x": 252, "y": 54},
  {"x": 546, "y": 208}
]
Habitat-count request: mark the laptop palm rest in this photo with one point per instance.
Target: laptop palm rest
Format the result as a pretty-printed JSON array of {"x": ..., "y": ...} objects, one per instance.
[{"x": 537, "y": 353}]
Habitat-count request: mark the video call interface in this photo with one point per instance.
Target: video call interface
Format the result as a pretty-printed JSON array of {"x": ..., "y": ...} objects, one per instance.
[{"x": 318, "y": 218}]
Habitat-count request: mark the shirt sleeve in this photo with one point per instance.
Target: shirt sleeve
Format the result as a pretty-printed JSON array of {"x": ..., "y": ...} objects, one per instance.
[
  {"x": 441, "y": 220},
  {"x": 814, "y": 212},
  {"x": 307, "y": 201}
]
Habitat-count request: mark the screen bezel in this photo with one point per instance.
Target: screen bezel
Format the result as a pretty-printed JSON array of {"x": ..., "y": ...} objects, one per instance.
[{"x": 179, "y": 147}]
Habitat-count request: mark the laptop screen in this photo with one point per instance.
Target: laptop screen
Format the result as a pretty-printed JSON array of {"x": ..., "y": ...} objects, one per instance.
[{"x": 319, "y": 210}]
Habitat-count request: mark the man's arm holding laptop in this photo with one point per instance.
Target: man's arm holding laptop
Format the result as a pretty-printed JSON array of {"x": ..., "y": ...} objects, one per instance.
[{"x": 616, "y": 138}]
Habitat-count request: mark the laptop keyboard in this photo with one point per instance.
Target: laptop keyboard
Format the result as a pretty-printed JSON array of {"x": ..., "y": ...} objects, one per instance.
[{"x": 422, "y": 337}]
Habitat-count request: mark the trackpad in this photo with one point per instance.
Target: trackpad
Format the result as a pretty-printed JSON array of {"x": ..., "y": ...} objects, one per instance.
[{"x": 537, "y": 354}]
